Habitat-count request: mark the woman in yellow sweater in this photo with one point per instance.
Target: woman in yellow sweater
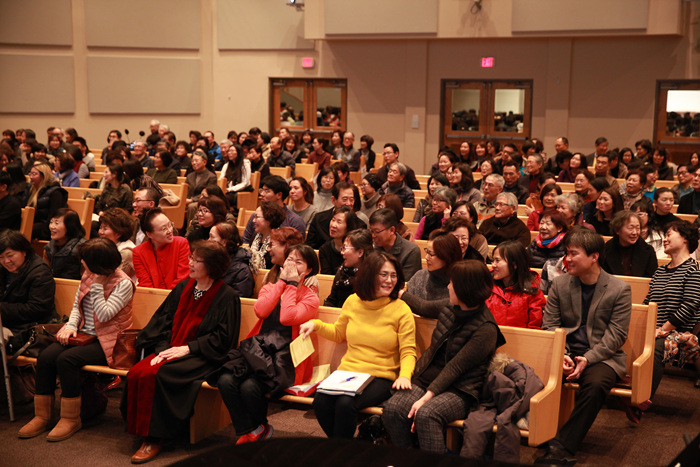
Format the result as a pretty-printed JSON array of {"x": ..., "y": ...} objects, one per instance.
[{"x": 381, "y": 336}]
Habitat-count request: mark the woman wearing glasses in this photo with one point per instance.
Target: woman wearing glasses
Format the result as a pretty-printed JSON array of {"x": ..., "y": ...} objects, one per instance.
[
  {"x": 442, "y": 252},
  {"x": 210, "y": 211},
  {"x": 356, "y": 246},
  {"x": 162, "y": 261},
  {"x": 380, "y": 333}
]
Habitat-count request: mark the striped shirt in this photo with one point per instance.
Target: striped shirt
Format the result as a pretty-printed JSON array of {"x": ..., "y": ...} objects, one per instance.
[
  {"x": 94, "y": 303},
  {"x": 677, "y": 293}
]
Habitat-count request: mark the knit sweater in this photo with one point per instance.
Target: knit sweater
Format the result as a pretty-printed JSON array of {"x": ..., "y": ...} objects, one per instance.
[
  {"x": 429, "y": 285},
  {"x": 381, "y": 337},
  {"x": 677, "y": 293}
]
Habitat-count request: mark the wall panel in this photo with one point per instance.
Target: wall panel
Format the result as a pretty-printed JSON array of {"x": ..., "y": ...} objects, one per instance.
[
  {"x": 579, "y": 15},
  {"x": 381, "y": 17},
  {"x": 144, "y": 85},
  {"x": 37, "y": 84},
  {"x": 36, "y": 22}
]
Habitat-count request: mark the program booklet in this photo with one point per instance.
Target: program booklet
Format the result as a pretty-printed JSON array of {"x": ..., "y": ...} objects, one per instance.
[{"x": 347, "y": 383}]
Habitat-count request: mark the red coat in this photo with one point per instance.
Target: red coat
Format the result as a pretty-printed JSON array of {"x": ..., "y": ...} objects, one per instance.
[
  {"x": 518, "y": 310},
  {"x": 165, "y": 268},
  {"x": 298, "y": 305}
]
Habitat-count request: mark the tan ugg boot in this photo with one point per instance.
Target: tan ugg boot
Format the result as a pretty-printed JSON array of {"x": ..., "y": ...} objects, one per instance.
[
  {"x": 43, "y": 405},
  {"x": 70, "y": 420}
]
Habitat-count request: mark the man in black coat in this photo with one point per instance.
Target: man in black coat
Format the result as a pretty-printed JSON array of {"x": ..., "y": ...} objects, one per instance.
[{"x": 318, "y": 231}]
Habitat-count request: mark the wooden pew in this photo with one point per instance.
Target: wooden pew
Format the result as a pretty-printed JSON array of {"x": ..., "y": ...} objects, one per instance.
[
  {"x": 284, "y": 172},
  {"x": 84, "y": 208},
  {"x": 307, "y": 171},
  {"x": 176, "y": 213},
  {"x": 249, "y": 199},
  {"x": 27, "y": 222},
  {"x": 408, "y": 214}
]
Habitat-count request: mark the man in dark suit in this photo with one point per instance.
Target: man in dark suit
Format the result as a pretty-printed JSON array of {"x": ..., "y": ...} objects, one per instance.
[
  {"x": 594, "y": 309},
  {"x": 601, "y": 147},
  {"x": 318, "y": 232},
  {"x": 690, "y": 203}
]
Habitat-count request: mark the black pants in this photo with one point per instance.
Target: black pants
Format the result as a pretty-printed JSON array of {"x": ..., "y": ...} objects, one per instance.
[
  {"x": 337, "y": 415},
  {"x": 245, "y": 400},
  {"x": 595, "y": 384},
  {"x": 66, "y": 362},
  {"x": 658, "y": 365}
]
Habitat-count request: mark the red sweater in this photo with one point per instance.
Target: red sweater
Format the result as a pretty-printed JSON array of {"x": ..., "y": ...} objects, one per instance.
[{"x": 165, "y": 268}]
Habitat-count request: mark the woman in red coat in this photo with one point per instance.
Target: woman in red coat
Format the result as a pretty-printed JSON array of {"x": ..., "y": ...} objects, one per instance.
[
  {"x": 516, "y": 299},
  {"x": 162, "y": 261}
]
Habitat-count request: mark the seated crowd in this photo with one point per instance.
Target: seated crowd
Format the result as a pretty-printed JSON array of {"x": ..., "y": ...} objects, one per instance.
[{"x": 548, "y": 267}]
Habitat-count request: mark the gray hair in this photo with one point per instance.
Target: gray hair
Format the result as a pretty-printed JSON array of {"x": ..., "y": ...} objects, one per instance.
[
  {"x": 574, "y": 201},
  {"x": 510, "y": 198},
  {"x": 538, "y": 157},
  {"x": 402, "y": 168},
  {"x": 497, "y": 180},
  {"x": 164, "y": 126},
  {"x": 445, "y": 193},
  {"x": 225, "y": 142}
]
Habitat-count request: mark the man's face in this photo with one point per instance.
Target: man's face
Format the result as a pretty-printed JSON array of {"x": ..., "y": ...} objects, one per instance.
[
  {"x": 348, "y": 140},
  {"x": 209, "y": 136},
  {"x": 267, "y": 194},
  {"x": 696, "y": 181},
  {"x": 58, "y": 132},
  {"x": 346, "y": 197},
  {"x": 507, "y": 153},
  {"x": 381, "y": 236},
  {"x": 113, "y": 136},
  {"x": 602, "y": 148},
  {"x": 198, "y": 163},
  {"x": 491, "y": 190},
  {"x": 284, "y": 133},
  {"x": 389, "y": 155},
  {"x": 602, "y": 166},
  {"x": 393, "y": 176},
  {"x": 559, "y": 145},
  {"x": 684, "y": 176},
  {"x": 153, "y": 126},
  {"x": 634, "y": 184},
  {"x": 142, "y": 202},
  {"x": 578, "y": 262},
  {"x": 503, "y": 210},
  {"x": 275, "y": 144},
  {"x": 139, "y": 149},
  {"x": 510, "y": 174},
  {"x": 532, "y": 165}
]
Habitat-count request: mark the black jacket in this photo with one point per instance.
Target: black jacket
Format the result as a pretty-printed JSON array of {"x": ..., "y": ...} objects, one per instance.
[
  {"x": 29, "y": 296},
  {"x": 239, "y": 276},
  {"x": 50, "y": 200},
  {"x": 685, "y": 205},
  {"x": 64, "y": 261},
  {"x": 644, "y": 262}
]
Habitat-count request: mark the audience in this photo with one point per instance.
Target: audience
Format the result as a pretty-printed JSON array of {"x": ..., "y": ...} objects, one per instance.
[
  {"x": 268, "y": 216},
  {"x": 320, "y": 154},
  {"x": 442, "y": 252},
  {"x": 326, "y": 179},
  {"x": 505, "y": 225},
  {"x": 548, "y": 199},
  {"x": 650, "y": 232},
  {"x": 197, "y": 180},
  {"x": 465, "y": 233},
  {"x": 161, "y": 171},
  {"x": 380, "y": 333},
  {"x": 369, "y": 187},
  {"x": 10, "y": 207},
  {"x": 239, "y": 276},
  {"x": 391, "y": 156},
  {"x": 274, "y": 189},
  {"x": 462, "y": 182},
  {"x": 441, "y": 206},
  {"x": 279, "y": 157},
  {"x": 160, "y": 262},
  {"x": 424, "y": 206},
  {"x": 330, "y": 254},
  {"x": 342, "y": 194},
  {"x": 46, "y": 196},
  {"x": 608, "y": 204},
  {"x": 117, "y": 225},
  {"x": 491, "y": 188},
  {"x": 627, "y": 254},
  {"x": 663, "y": 203},
  {"x": 210, "y": 211},
  {"x": 468, "y": 212},
  {"x": 382, "y": 226},
  {"x": 393, "y": 202},
  {"x": 396, "y": 185},
  {"x": 356, "y": 246},
  {"x": 547, "y": 245},
  {"x": 61, "y": 253},
  {"x": 302, "y": 198}
]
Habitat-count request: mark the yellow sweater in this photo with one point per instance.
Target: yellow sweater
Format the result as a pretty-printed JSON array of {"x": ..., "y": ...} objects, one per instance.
[{"x": 381, "y": 337}]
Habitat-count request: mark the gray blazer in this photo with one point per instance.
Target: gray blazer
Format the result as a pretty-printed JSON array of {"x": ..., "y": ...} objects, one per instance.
[{"x": 608, "y": 317}]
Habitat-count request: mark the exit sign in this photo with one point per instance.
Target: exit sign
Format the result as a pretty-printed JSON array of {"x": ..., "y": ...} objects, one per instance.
[{"x": 487, "y": 62}]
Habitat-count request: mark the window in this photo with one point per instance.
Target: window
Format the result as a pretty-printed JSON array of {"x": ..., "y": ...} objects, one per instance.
[
  {"x": 318, "y": 105},
  {"x": 677, "y": 122},
  {"x": 480, "y": 110}
]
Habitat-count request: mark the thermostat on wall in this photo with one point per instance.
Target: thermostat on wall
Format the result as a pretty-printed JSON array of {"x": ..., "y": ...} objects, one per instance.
[{"x": 307, "y": 62}]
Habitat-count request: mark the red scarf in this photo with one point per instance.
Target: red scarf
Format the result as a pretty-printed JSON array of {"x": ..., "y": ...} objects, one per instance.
[{"x": 190, "y": 313}]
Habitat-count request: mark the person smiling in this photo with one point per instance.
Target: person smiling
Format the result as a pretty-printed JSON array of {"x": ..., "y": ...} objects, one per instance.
[
  {"x": 356, "y": 246},
  {"x": 61, "y": 252},
  {"x": 330, "y": 254},
  {"x": 380, "y": 333},
  {"x": 442, "y": 252},
  {"x": 162, "y": 261},
  {"x": 627, "y": 254}
]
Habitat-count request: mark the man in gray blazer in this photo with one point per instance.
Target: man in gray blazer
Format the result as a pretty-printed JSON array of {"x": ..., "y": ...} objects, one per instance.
[{"x": 594, "y": 309}]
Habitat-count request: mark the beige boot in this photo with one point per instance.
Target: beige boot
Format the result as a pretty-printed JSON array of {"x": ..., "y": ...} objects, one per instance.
[
  {"x": 43, "y": 405},
  {"x": 70, "y": 420}
]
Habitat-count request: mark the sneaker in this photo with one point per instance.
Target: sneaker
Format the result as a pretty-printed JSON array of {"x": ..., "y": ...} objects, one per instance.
[{"x": 266, "y": 433}]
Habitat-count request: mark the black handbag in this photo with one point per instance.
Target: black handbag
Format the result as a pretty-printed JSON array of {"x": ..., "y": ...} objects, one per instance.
[
  {"x": 32, "y": 339},
  {"x": 270, "y": 360}
]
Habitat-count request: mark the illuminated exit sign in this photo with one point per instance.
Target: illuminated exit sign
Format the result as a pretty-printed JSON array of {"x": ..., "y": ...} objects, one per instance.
[{"x": 487, "y": 62}]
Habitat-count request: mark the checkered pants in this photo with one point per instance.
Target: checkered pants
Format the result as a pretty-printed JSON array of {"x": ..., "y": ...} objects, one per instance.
[{"x": 430, "y": 420}]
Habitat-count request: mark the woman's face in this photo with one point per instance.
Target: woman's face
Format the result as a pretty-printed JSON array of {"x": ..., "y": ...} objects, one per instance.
[
  {"x": 363, "y": 145},
  {"x": 462, "y": 211},
  {"x": 657, "y": 158},
  {"x": 626, "y": 157},
  {"x": 338, "y": 226},
  {"x": 629, "y": 232},
  {"x": 253, "y": 155},
  {"x": 694, "y": 159},
  {"x": 575, "y": 162},
  {"x": 57, "y": 228},
  {"x": 643, "y": 217},
  {"x": 604, "y": 203},
  {"x": 35, "y": 177},
  {"x": 57, "y": 164},
  {"x": 652, "y": 178},
  {"x": 386, "y": 280},
  {"x": 336, "y": 139},
  {"x": 548, "y": 229},
  {"x": 162, "y": 230},
  {"x": 462, "y": 236},
  {"x": 456, "y": 176},
  {"x": 366, "y": 189},
  {"x": 232, "y": 154},
  {"x": 431, "y": 261},
  {"x": 198, "y": 271},
  {"x": 432, "y": 185},
  {"x": 12, "y": 260},
  {"x": 549, "y": 200},
  {"x": 581, "y": 183},
  {"x": 566, "y": 211},
  {"x": 306, "y": 138},
  {"x": 327, "y": 181},
  {"x": 276, "y": 250},
  {"x": 302, "y": 268},
  {"x": 464, "y": 149},
  {"x": 215, "y": 236},
  {"x": 499, "y": 266},
  {"x": 486, "y": 169},
  {"x": 180, "y": 151},
  {"x": 260, "y": 223},
  {"x": 490, "y": 149},
  {"x": 193, "y": 140},
  {"x": 439, "y": 205},
  {"x": 296, "y": 193},
  {"x": 444, "y": 164},
  {"x": 480, "y": 150},
  {"x": 242, "y": 137},
  {"x": 205, "y": 216},
  {"x": 289, "y": 145},
  {"x": 157, "y": 162},
  {"x": 54, "y": 143},
  {"x": 108, "y": 176},
  {"x": 352, "y": 257}
]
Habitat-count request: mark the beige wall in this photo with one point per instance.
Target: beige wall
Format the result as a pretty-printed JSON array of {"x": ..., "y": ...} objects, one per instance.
[{"x": 584, "y": 86}]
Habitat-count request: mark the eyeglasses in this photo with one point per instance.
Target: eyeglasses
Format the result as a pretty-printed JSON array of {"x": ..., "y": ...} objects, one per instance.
[
  {"x": 347, "y": 248},
  {"x": 428, "y": 252},
  {"x": 377, "y": 232},
  {"x": 166, "y": 228},
  {"x": 499, "y": 204},
  {"x": 203, "y": 210},
  {"x": 192, "y": 258},
  {"x": 388, "y": 275}
]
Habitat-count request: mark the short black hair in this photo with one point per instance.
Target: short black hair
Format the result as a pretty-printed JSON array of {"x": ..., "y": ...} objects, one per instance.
[
  {"x": 214, "y": 257},
  {"x": 686, "y": 230},
  {"x": 101, "y": 256},
  {"x": 392, "y": 146},
  {"x": 586, "y": 239},
  {"x": 471, "y": 281},
  {"x": 335, "y": 191},
  {"x": 661, "y": 191},
  {"x": 308, "y": 255},
  {"x": 13, "y": 240},
  {"x": 384, "y": 216},
  {"x": 71, "y": 219},
  {"x": 166, "y": 157},
  {"x": 148, "y": 216},
  {"x": 277, "y": 184}
]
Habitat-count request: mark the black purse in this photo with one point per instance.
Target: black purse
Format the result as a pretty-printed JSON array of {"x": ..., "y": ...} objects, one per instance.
[{"x": 270, "y": 360}]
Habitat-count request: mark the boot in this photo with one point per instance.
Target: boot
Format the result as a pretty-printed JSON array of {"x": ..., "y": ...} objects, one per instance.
[
  {"x": 70, "y": 420},
  {"x": 43, "y": 406}
]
